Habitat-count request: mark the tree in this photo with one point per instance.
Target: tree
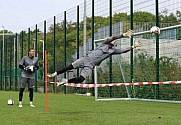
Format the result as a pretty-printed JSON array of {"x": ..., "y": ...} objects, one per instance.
[
  {"x": 141, "y": 16},
  {"x": 166, "y": 17},
  {"x": 178, "y": 14}
]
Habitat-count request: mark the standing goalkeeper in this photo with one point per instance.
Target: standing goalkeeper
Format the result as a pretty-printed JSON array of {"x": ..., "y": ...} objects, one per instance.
[
  {"x": 29, "y": 64},
  {"x": 102, "y": 52}
]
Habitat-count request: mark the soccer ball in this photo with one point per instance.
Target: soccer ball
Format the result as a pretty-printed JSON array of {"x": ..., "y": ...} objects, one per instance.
[
  {"x": 10, "y": 102},
  {"x": 155, "y": 30},
  {"x": 31, "y": 68},
  {"x": 88, "y": 94}
]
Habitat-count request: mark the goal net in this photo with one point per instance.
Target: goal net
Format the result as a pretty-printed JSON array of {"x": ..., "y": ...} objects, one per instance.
[{"x": 150, "y": 73}]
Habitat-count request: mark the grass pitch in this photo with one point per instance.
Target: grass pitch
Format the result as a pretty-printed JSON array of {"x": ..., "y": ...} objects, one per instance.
[{"x": 83, "y": 110}]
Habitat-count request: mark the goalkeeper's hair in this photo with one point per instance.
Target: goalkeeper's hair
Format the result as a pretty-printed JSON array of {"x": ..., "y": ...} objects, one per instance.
[{"x": 30, "y": 49}]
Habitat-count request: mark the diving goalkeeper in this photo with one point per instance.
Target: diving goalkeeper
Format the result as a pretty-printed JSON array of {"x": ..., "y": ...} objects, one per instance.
[{"x": 94, "y": 58}]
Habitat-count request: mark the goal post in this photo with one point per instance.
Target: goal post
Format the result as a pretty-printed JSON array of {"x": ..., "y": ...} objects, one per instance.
[{"x": 168, "y": 89}]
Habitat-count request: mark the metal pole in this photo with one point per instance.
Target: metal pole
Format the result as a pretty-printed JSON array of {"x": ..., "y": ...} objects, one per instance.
[
  {"x": 44, "y": 63},
  {"x": 54, "y": 44},
  {"x": 45, "y": 91},
  {"x": 157, "y": 50},
  {"x": 11, "y": 53},
  {"x": 5, "y": 64},
  {"x": 29, "y": 34},
  {"x": 3, "y": 45},
  {"x": 22, "y": 37},
  {"x": 36, "y": 53},
  {"x": 131, "y": 89},
  {"x": 3, "y": 56},
  {"x": 45, "y": 66},
  {"x": 65, "y": 45},
  {"x": 84, "y": 27},
  {"x": 78, "y": 43},
  {"x": 14, "y": 44},
  {"x": 92, "y": 24},
  {"x": 16, "y": 55},
  {"x": 93, "y": 43},
  {"x": 1, "y": 67},
  {"x": 43, "y": 48},
  {"x": 110, "y": 34}
]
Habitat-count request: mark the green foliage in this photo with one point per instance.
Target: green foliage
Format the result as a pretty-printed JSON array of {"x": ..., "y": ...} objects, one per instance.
[
  {"x": 141, "y": 16},
  {"x": 144, "y": 67},
  {"x": 169, "y": 17},
  {"x": 117, "y": 17},
  {"x": 178, "y": 15}
]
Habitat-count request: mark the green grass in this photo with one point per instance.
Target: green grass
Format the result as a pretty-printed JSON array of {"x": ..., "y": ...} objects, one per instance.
[{"x": 82, "y": 110}]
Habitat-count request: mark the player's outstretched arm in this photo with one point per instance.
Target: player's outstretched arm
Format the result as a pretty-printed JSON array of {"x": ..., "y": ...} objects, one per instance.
[
  {"x": 52, "y": 75},
  {"x": 129, "y": 33}
]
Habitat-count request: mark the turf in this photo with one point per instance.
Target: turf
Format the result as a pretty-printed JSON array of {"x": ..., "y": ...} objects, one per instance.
[{"x": 83, "y": 110}]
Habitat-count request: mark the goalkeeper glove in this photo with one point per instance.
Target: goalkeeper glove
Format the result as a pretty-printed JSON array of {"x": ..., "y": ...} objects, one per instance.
[
  {"x": 129, "y": 33},
  {"x": 137, "y": 43},
  {"x": 52, "y": 75},
  {"x": 29, "y": 69}
]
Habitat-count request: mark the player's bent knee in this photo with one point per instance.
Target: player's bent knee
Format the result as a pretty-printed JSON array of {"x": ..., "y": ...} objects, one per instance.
[{"x": 82, "y": 78}]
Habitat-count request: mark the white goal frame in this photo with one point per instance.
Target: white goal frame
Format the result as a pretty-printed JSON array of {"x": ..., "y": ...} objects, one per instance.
[{"x": 129, "y": 98}]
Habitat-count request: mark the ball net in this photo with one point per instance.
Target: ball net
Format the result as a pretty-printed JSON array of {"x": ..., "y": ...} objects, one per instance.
[{"x": 154, "y": 77}]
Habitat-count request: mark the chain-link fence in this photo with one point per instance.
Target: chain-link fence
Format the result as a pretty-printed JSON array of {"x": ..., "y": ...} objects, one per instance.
[{"x": 71, "y": 34}]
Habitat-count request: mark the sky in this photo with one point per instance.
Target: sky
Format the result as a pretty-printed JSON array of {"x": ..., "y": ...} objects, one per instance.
[{"x": 17, "y": 15}]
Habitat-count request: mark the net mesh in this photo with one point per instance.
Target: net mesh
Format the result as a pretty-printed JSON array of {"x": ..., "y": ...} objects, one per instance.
[{"x": 144, "y": 68}]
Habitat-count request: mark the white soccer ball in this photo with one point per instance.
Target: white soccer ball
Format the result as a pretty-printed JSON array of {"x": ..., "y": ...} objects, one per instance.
[
  {"x": 155, "y": 30},
  {"x": 10, "y": 102},
  {"x": 88, "y": 94},
  {"x": 31, "y": 68}
]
